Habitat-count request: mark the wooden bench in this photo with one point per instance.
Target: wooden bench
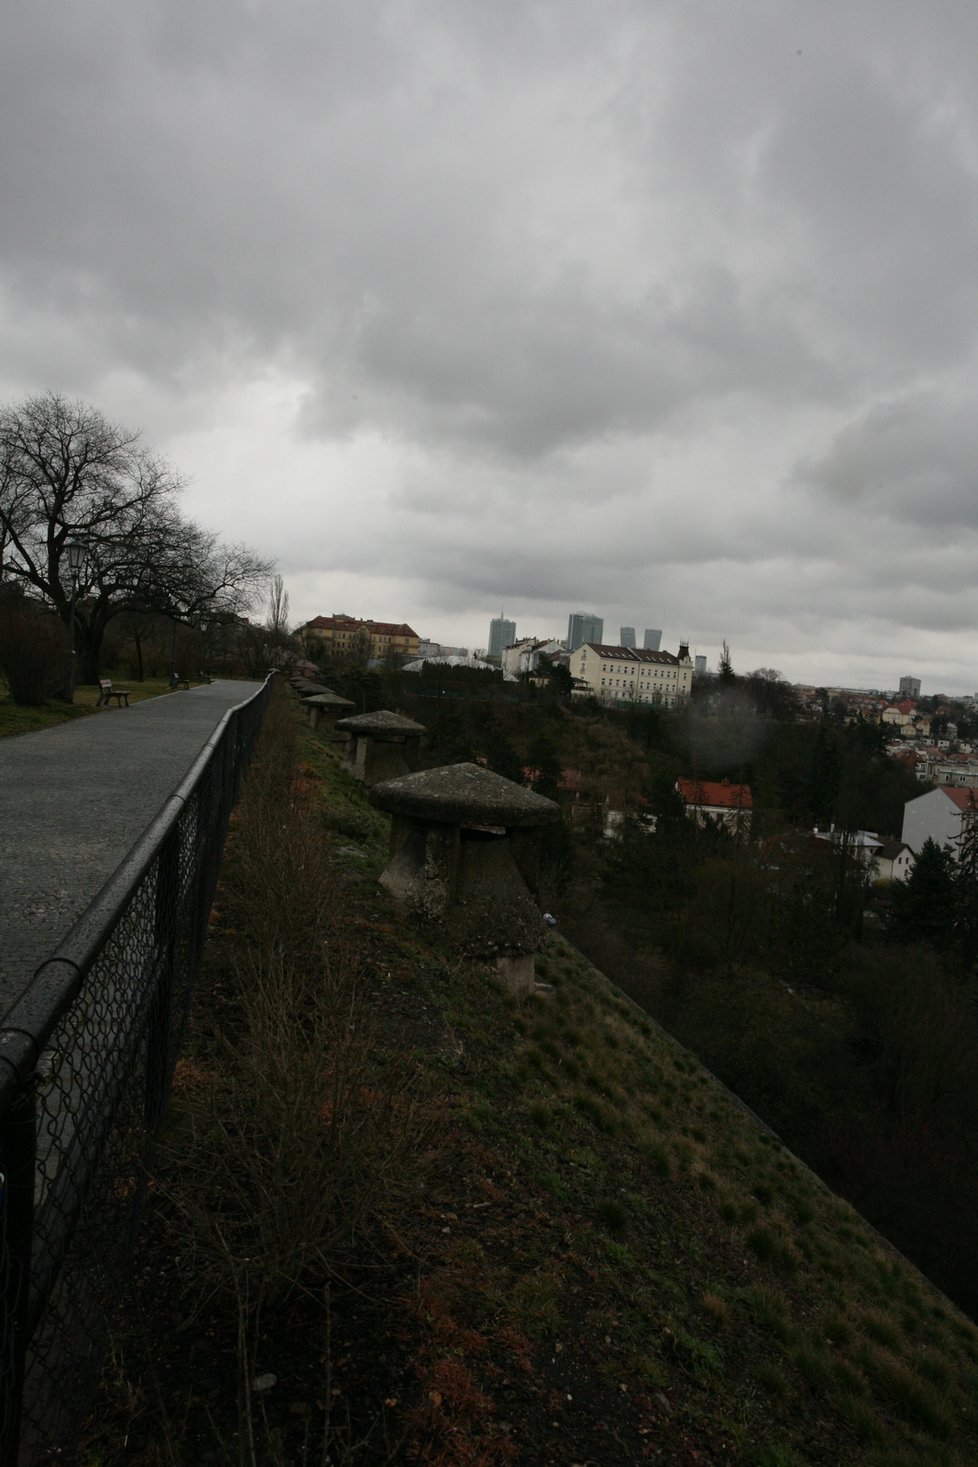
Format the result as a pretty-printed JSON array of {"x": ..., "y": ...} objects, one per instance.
[
  {"x": 179, "y": 682},
  {"x": 106, "y": 692}
]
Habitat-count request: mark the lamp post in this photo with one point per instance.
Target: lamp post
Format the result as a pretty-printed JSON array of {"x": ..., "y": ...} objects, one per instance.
[
  {"x": 177, "y": 613},
  {"x": 204, "y": 624},
  {"x": 75, "y": 552}
]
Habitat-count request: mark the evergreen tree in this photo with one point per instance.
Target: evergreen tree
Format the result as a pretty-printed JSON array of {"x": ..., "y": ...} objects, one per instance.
[
  {"x": 824, "y": 777},
  {"x": 967, "y": 888},
  {"x": 500, "y": 755},
  {"x": 447, "y": 740},
  {"x": 926, "y": 905}
]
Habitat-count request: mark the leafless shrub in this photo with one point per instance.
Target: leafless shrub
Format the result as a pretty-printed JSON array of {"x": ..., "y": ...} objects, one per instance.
[
  {"x": 307, "y": 1126},
  {"x": 294, "y": 1147}
]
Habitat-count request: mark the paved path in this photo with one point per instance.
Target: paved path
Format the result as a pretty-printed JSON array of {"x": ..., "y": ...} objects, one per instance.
[{"x": 73, "y": 801}]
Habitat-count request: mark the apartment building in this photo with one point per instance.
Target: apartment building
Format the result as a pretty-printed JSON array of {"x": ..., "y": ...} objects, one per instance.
[
  {"x": 341, "y": 633},
  {"x": 633, "y": 674}
]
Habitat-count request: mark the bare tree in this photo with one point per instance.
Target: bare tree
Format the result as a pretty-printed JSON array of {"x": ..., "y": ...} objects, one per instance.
[
  {"x": 277, "y": 620},
  {"x": 67, "y": 473}
]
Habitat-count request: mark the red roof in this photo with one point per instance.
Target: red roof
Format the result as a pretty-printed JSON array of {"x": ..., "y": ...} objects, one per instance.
[
  {"x": 716, "y": 794},
  {"x": 965, "y": 799},
  {"x": 347, "y": 623}
]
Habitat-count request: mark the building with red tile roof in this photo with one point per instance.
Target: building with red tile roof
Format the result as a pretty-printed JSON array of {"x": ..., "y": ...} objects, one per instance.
[
  {"x": 341, "y": 633},
  {"x": 718, "y": 800}
]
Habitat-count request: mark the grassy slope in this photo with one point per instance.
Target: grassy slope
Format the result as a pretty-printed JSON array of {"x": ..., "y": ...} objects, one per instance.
[{"x": 596, "y": 1255}]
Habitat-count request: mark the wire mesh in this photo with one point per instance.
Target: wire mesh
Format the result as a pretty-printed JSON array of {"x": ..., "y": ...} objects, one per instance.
[{"x": 86, "y": 1062}]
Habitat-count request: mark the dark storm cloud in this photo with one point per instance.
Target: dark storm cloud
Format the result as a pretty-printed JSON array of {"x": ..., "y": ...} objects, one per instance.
[
  {"x": 912, "y": 459},
  {"x": 641, "y": 305}
]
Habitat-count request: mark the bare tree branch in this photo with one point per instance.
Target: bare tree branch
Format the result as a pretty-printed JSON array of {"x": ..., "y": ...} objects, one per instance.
[{"x": 66, "y": 473}]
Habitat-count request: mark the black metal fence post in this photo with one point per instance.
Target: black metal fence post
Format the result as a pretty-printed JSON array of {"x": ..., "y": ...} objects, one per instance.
[
  {"x": 158, "y": 1022},
  {"x": 18, "y": 1157}
]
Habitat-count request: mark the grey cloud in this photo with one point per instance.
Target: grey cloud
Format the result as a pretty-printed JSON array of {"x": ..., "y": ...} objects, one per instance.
[
  {"x": 865, "y": 177},
  {"x": 375, "y": 233},
  {"x": 536, "y": 373},
  {"x": 912, "y": 459},
  {"x": 654, "y": 306}
]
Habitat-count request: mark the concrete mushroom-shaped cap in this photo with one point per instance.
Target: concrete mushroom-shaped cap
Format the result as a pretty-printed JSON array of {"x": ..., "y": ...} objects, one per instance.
[
  {"x": 462, "y": 794},
  {"x": 306, "y": 689},
  {"x": 328, "y": 699},
  {"x": 380, "y": 723}
]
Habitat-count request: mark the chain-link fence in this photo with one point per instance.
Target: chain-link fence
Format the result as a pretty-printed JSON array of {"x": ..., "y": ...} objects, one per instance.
[{"x": 86, "y": 1060}]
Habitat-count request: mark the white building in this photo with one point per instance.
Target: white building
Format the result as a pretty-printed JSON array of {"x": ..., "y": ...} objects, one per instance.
[
  {"x": 515, "y": 656},
  {"x": 939, "y": 816},
  {"x": 633, "y": 675},
  {"x": 429, "y": 649},
  {"x": 862, "y": 845},
  {"x": 894, "y": 861},
  {"x": 725, "y": 804},
  {"x": 963, "y": 774}
]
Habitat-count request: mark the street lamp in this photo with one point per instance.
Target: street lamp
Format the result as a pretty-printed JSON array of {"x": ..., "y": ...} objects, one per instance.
[
  {"x": 204, "y": 626},
  {"x": 75, "y": 553},
  {"x": 173, "y": 648}
]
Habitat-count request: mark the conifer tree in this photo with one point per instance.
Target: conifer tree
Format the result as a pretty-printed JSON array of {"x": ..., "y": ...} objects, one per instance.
[
  {"x": 926, "y": 905},
  {"x": 967, "y": 887}
]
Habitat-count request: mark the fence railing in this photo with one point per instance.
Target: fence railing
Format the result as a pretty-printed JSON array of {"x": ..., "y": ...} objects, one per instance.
[{"x": 86, "y": 1060}]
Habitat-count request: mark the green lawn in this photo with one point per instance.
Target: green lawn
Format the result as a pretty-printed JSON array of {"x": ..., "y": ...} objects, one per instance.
[{"x": 16, "y": 720}]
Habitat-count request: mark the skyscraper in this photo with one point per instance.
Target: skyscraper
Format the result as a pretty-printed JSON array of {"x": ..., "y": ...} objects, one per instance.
[
  {"x": 626, "y": 637},
  {"x": 653, "y": 638},
  {"x": 501, "y": 634},
  {"x": 584, "y": 626},
  {"x": 910, "y": 687}
]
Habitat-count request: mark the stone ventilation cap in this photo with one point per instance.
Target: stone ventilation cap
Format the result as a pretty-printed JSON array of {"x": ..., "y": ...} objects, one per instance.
[
  {"x": 380, "y": 723},
  {"x": 462, "y": 794},
  {"x": 328, "y": 700}
]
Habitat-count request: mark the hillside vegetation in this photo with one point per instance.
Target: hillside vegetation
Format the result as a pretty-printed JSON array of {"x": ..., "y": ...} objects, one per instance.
[
  {"x": 844, "y": 1010},
  {"x": 401, "y": 1216}
]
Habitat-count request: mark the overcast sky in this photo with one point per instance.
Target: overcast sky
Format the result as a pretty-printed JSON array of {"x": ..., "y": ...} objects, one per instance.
[{"x": 662, "y": 309}]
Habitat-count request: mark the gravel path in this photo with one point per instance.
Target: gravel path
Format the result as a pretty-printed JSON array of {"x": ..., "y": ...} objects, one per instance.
[{"x": 73, "y": 801}]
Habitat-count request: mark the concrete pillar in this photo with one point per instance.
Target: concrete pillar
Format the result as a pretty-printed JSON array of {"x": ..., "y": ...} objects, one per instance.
[{"x": 463, "y": 843}]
